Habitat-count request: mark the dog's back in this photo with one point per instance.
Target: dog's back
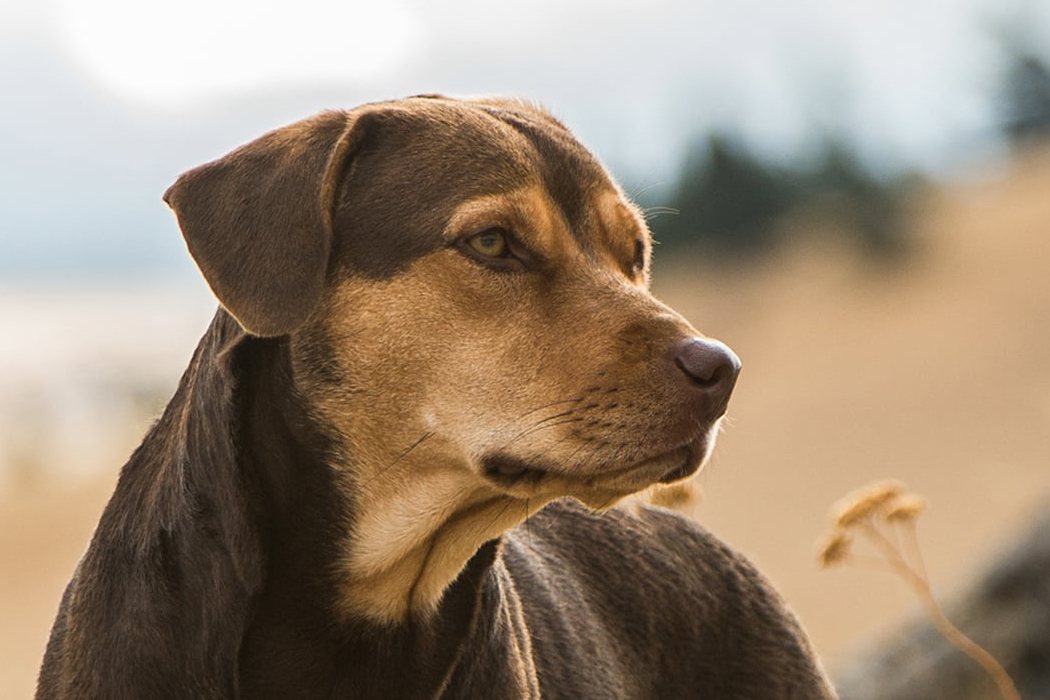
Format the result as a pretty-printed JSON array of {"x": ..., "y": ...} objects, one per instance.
[{"x": 642, "y": 603}]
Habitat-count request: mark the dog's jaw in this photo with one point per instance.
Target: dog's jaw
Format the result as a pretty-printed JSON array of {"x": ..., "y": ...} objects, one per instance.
[
  {"x": 405, "y": 549},
  {"x": 410, "y": 539}
]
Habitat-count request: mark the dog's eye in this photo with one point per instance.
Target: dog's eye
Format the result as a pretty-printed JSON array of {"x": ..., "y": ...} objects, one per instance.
[
  {"x": 639, "y": 256},
  {"x": 491, "y": 243}
]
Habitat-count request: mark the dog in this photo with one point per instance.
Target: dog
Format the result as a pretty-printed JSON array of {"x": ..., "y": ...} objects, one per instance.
[{"x": 391, "y": 467}]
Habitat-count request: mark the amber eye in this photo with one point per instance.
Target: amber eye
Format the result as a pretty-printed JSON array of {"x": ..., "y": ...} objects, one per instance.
[{"x": 491, "y": 243}]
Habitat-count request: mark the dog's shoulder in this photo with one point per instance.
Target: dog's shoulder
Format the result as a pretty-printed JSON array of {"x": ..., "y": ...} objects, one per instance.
[
  {"x": 661, "y": 548},
  {"x": 660, "y": 586}
]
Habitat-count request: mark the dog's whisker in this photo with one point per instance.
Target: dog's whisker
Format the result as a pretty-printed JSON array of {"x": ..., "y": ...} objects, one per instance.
[
  {"x": 595, "y": 448},
  {"x": 427, "y": 435},
  {"x": 537, "y": 428},
  {"x": 548, "y": 405},
  {"x": 528, "y": 530},
  {"x": 500, "y": 514},
  {"x": 537, "y": 424},
  {"x": 568, "y": 459},
  {"x": 561, "y": 440},
  {"x": 555, "y": 416},
  {"x": 653, "y": 212},
  {"x": 645, "y": 188}
]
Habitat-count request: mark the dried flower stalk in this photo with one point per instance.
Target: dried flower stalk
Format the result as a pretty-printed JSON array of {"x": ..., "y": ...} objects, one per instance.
[{"x": 887, "y": 507}]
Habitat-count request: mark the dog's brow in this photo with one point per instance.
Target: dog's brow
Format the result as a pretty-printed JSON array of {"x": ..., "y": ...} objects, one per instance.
[
  {"x": 569, "y": 172},
  {"x": 619, "y": 226},
  {"x": 529, "y": 213}
]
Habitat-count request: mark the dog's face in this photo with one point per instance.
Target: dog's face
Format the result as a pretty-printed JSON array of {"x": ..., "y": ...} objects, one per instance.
[{"x": 483, "y": 339}]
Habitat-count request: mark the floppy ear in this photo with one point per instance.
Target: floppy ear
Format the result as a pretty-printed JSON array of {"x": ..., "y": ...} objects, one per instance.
[{"x": 258, "y": 221}]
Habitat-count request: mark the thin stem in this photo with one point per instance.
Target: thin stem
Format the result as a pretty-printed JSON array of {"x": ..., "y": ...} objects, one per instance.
[
  {"x": 913, "y": 546},
  {"x": 921, "y": 585},
  {"x": 870, "y": 563}
]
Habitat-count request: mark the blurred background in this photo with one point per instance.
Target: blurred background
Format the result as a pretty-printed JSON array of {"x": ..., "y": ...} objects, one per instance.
[{"x": 853, "y": 194}]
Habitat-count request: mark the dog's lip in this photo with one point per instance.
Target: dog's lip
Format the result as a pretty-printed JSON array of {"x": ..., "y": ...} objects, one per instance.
[
  {"x": 689, "y": 464},
  {"x": 503, "y": 468},
  {"x": 507, "y": 470}
]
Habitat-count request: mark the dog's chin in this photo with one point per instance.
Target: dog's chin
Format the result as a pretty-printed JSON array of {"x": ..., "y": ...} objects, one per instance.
[
  {"x": 689, "y": 464},
  {"x": 525, "y": 477}
]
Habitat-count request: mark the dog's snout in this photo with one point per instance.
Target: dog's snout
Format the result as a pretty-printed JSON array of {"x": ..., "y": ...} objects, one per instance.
[{"x": 711, "y": 367}]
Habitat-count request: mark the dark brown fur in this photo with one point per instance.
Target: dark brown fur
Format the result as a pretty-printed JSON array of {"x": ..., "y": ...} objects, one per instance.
[{"x": 211, "y": 572}]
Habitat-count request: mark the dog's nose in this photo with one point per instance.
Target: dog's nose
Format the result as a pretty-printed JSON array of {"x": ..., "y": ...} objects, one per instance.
[{"x": 711, "y": 367}]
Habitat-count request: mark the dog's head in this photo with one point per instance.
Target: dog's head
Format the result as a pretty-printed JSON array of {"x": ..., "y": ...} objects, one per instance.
[{"x": 466, "y": 292}]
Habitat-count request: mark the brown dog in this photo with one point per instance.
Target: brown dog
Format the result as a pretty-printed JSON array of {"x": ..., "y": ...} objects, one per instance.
[{"x": 435, "y": 321}]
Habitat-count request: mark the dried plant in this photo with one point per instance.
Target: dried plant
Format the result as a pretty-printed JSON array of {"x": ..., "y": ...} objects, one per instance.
[
  {"x": 885, "y": 514},
  {"x": 677, "y": 496}
]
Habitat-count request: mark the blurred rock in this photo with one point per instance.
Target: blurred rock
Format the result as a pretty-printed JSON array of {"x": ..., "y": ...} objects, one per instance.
[{"x": 1007, "y": 612}]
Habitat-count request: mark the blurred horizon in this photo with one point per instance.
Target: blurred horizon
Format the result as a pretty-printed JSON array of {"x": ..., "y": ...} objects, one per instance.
[{"x": 108, "y": 103}]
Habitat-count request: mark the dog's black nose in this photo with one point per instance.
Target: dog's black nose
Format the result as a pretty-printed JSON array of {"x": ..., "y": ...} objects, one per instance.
[{"x": 711, "y": 367}]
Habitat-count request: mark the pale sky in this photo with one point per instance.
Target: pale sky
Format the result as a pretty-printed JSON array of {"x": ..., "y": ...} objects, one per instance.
[
  {"x": 102, "y": 90},
  {"x": 906, "y": 75}
]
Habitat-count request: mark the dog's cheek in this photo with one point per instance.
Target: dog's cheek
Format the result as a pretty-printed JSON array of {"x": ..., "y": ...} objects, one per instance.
[{"x": 363, "y": 369}]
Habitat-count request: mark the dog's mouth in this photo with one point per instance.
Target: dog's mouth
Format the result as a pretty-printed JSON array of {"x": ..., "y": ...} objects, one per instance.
[
  {"x": 513, "y": 473},
  {"x": 688, "y": 465}
]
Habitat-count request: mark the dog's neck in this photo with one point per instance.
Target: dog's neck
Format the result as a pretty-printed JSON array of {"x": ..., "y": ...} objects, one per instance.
[
  {"x": 413, "y": 510},
  {"x": 408, "y": 547},
  {"x": 300, "y": 613}
]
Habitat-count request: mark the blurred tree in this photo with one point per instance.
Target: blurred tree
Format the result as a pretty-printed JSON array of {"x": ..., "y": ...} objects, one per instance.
[
  {"x": 867, "y": 206},
  {"x": 726, "y": 198},
  {"x": 1025, "y": 97},
  {"x": 731, "y": 202}
]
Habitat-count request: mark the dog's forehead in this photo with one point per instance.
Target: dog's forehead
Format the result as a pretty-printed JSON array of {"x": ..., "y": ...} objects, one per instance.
[
  {"x": 427, "y": 157},
  {"x": 571, "y": 174}
]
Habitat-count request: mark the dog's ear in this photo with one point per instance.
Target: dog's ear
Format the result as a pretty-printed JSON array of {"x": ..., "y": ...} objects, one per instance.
[{"x": 258, "y": 221}]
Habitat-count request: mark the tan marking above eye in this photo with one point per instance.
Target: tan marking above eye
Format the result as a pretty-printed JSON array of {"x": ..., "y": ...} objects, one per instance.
[
  {"x": 638, "y": 264},
  {"x": 491, "y": 243},
  {"x": 622, "y": 229}
]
